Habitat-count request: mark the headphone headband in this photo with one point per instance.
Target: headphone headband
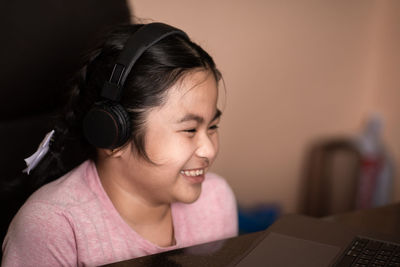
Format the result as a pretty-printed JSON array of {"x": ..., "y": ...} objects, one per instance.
[{"x": 144, "y": 38}]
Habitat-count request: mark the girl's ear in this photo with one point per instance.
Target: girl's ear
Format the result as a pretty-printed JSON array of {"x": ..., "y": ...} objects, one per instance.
[{"x": 113, "y": 153}]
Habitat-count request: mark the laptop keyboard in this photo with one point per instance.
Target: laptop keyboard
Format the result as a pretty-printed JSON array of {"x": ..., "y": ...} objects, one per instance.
[{"x": 367, "y": 252}]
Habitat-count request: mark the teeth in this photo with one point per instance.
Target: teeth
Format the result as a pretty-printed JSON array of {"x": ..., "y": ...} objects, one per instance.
[{"x": 193, "y": 172}]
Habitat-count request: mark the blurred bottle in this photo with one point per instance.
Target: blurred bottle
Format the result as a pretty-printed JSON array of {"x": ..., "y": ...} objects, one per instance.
[{"x": 376, "y": 171}]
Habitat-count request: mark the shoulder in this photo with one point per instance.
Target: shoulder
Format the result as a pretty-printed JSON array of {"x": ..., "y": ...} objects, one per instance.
[
  {"x": 68, "y": 190},
  {"x": 49, "y": 207},
  {"x": 55, "y": 202},
  {"x": 47, "y": 221},
  {"x": 41, "y": 230},
  {"x": 47, "y": 212},
  {"x": 39, "y": 219}
]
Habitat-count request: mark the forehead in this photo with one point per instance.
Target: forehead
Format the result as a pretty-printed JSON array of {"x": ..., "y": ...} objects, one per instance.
[
  {"x": 195, "y": 90},
  {"x": 196, "y": 94}
]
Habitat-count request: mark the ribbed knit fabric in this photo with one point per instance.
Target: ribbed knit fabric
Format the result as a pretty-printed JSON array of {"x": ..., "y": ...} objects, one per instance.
[{"x": 72, "y": 222}]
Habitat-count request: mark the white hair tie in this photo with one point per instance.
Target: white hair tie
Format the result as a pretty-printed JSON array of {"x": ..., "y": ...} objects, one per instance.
[{"x": 42, "y": 150}]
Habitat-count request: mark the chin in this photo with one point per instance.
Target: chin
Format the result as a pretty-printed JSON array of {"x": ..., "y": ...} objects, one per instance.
[{"x": 190, "y": 197}]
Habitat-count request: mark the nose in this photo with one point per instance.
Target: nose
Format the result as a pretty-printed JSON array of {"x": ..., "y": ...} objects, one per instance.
[{"x": 207, "y": 146}]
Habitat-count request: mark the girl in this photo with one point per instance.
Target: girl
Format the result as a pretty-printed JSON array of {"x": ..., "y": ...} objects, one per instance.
[{"x": 143, "y": 112}]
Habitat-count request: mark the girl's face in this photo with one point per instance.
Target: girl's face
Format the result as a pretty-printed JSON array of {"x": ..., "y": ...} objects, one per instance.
[{"x": 181, "y": 139}]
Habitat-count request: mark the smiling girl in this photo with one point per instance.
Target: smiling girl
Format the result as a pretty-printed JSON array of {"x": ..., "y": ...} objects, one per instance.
[{"x": 143, "y": 115}]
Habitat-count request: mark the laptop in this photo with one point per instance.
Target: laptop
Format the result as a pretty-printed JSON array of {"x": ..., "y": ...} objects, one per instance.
[{"x": 296, "y": 240}]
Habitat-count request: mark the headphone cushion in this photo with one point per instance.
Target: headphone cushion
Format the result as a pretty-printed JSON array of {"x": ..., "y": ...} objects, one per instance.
[{"x": 107, "y": 125}]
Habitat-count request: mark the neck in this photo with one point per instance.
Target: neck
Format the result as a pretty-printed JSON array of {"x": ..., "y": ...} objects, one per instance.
[
  {"x": 152, "y": 220},
  {"x": 129, "y": 203}
]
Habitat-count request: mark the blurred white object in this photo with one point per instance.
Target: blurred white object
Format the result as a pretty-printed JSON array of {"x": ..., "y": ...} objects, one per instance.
[
  {"x": 35, "y": 158},
  {"x": 369, "y": 142}
]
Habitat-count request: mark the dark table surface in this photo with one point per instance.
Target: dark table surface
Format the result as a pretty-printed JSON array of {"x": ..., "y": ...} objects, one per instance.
[{"x": 385, "y": 220}]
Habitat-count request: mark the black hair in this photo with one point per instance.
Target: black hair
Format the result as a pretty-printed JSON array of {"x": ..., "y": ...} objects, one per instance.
[{"x": 158, "y": 68}]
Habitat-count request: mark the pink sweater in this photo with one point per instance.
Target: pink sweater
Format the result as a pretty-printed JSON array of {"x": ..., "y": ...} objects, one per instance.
[{"x": 72, "y": 222}]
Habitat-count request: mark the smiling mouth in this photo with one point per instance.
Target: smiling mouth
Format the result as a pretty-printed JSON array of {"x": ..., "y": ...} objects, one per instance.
[{"x": 193, "y": 173}]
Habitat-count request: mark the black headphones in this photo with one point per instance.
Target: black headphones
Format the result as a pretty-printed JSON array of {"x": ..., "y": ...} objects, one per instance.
[{"x": 107, "y": 124}]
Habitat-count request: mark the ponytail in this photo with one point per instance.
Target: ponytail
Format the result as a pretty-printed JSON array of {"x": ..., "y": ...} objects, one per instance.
[{"x": 68, "y": 147}]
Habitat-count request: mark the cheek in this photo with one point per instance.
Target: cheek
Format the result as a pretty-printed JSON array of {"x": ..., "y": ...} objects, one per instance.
[
  {"x": 184, "y": 147},
  {"x": 169, "y": 149},
  {"x": 157, "y": 147}
]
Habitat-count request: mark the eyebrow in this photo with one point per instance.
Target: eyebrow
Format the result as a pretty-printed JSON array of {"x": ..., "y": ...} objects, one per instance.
[{"x": 198, "y": 119}]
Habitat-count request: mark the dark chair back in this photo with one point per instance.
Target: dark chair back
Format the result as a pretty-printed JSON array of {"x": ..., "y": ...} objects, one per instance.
[
  {"x": 41, "y": 47},
  {"x": 331, "y": 175}
]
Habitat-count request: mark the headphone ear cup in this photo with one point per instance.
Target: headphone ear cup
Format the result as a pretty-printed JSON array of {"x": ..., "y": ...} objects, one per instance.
[
  {"x": 125, "y": 129},
  {"x": 107, "y": 125}
]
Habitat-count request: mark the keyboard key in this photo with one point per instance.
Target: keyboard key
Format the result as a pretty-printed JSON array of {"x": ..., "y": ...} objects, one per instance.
[
  {"x": 385, "y": 252},
  {"x": 395, "y": 259},
  {"x": 359, "y": 243},
  {"x": 379, "y": 262},
  {"x": 382, "y": 257},
  {"x": 366, "y": 257},
  {"x": 353, "y": 253},
  {"x": 362, "y": 261},
  {"x": 369, "y": 252}
]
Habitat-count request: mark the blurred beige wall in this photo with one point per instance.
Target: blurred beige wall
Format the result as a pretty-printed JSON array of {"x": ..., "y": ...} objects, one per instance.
[{"x": 295, "y": 71}]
